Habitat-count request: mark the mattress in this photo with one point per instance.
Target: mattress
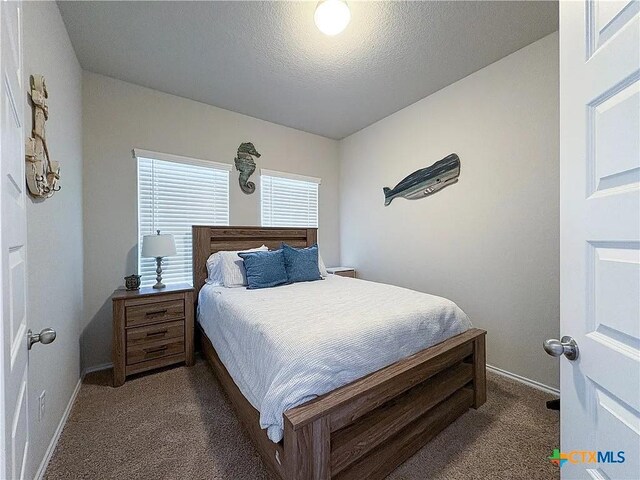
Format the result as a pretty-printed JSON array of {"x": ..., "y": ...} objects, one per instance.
[{"x": 286, "y": 345}]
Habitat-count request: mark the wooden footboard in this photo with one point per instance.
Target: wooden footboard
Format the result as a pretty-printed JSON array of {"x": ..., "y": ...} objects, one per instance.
[{"x": 367, "y": 428}]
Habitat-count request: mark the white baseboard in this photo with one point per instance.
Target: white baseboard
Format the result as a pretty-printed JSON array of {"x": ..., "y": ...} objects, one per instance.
[
  {"x": 96, "y": 368},
  {"x": 56, "y": 436},
  {"x": 525, "y": 380}
]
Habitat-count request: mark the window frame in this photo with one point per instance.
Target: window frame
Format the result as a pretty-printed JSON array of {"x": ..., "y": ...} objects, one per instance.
[
  {"x": 167, "y": 157},
  {"x": 288, "y": 176}
]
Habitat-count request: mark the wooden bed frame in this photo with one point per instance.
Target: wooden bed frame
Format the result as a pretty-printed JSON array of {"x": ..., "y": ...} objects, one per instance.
[{"x": 365, "y": 429}]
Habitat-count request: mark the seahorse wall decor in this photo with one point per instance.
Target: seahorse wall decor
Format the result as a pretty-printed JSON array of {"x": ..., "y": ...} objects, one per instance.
[
  {"x": 42, "y": 173},
  {"x": 426, "y": 181},
  {"x": 246, "y": 165}
]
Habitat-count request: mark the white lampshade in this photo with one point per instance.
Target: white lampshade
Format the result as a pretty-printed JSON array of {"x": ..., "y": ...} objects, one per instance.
[{"x": 160, "y": 245}]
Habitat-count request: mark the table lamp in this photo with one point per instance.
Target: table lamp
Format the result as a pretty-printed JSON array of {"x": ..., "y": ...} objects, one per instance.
[{"x": 158, "y": 246}]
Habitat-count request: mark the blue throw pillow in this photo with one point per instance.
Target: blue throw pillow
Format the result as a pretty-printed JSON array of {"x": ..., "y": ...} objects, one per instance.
[
  {"x": 301, "y": 263},
  {"x": 264, "y": 269}
]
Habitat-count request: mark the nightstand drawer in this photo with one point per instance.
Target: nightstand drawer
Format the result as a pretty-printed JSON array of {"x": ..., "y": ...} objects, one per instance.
[
  {"x": 155, "y": 312},
  {"x": 151, "y": 333},
  {"x": 154, "y": 349}
]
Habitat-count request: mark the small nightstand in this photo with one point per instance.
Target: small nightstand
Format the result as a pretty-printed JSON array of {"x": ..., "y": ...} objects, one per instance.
[
  {"x": 151, "y": 329},
  {"x": 342, "y": 271}
]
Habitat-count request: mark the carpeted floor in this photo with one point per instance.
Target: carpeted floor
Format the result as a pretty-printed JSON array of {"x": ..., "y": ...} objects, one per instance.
[{"x": 177, "y": 424}]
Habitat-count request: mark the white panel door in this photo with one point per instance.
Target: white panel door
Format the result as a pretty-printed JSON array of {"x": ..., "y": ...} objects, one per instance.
[
  {"x": 13, "y": 237},
  {"x": 600, "y": 237}
]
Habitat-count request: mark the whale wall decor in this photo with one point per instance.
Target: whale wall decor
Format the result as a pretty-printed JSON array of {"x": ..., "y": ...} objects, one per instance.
[{"x": 426, "y": 181}]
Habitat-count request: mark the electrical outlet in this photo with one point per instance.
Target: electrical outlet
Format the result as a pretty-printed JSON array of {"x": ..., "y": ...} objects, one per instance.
[{"x": 42, "y": 403}]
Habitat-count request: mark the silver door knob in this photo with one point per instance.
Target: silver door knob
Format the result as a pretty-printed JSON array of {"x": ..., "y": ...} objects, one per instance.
[
  {"x": 567, "y": 347},
  {"x": 45, "y": 337}
]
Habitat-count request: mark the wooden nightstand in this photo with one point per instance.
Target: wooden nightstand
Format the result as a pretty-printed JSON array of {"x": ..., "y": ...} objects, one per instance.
[
  {"x": 342, "y": 271},
  {"x": 151, "y": 329}
]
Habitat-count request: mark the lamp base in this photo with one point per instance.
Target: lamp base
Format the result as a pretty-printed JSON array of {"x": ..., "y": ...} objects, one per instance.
[{"x": 159, "y": 283}]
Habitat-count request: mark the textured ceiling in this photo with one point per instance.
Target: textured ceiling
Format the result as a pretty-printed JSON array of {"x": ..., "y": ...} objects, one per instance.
[{"x": 268, "y": 60}]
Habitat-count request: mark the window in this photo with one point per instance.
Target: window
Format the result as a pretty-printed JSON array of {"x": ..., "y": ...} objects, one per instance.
[
  {"x": 175, "y": 193},
  {"x": 289, "y": 200}
]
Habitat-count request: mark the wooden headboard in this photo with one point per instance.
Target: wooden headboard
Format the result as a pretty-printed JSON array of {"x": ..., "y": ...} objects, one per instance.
[{"x": 207, "y": 240}]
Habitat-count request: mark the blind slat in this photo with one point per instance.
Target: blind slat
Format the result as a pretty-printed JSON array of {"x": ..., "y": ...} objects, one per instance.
[{"x": 288, "y": 202}]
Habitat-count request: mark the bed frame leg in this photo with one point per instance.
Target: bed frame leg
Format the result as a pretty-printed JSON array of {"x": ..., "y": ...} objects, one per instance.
[
  {"x": 479, "y": 372},
  {"x": 308, "y": 450}
]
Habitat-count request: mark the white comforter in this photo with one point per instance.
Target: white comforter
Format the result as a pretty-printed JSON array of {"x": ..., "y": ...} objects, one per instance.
[{"x": 286, "y": 345}]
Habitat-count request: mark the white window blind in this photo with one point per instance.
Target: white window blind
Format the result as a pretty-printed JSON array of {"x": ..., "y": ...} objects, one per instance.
[
  {"x": 173, "y": 196},
  {"x": 289, "y": 200}
]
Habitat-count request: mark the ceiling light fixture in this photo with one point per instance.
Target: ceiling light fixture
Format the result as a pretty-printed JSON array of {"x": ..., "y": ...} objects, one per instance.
[{"x": 332, "y": 16}]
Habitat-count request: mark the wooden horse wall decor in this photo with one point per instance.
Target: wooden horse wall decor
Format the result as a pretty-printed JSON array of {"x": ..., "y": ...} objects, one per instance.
[{"x": 42, "y": 173}]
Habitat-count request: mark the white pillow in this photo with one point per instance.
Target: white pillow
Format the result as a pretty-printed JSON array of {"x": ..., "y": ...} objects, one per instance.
[
  {"x": 321, "y": 266},
  {"x": 227, "y": 268}
]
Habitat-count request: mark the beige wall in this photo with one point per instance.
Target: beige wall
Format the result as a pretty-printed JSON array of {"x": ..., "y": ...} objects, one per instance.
[
  {"x": 119, "y": 116},
  {"x": 489, "y": 242},
  {"x": 54, "y": 227}
]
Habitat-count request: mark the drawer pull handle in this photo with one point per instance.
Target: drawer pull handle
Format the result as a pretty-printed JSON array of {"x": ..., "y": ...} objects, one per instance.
[
  {"x": 156, "y": 350},
  {"x": 156, "y": 312},
  {"x": 158, "y": 333}
]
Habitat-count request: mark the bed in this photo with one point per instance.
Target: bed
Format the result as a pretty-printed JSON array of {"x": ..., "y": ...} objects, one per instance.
[{"x": 352, "y": 420}]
